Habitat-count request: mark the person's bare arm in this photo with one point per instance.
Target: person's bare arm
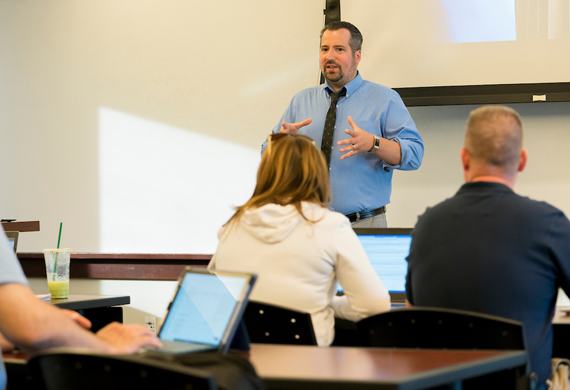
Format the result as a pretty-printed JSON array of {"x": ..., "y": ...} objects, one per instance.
[
  {"x": 33, "y": 325},
  {"x": 5, "y": 344},
  {"x": 77, "y": 318},
  {"x": 73, "y": 315}
]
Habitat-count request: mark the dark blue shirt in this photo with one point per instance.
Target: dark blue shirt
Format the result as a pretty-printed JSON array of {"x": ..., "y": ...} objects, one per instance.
[{"x": 492, "y": 251}]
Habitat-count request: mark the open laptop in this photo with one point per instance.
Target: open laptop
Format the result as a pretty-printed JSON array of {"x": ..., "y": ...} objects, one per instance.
[
  {"x": 13, "y": 239},
  {"x": 387, "y": 250},
  {"x": 205, "y": 311}
]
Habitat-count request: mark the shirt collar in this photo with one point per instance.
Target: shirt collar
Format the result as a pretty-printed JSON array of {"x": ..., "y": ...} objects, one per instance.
[
  {"x": 475, "y": 186},
  {"x": 351, "y": 86}
]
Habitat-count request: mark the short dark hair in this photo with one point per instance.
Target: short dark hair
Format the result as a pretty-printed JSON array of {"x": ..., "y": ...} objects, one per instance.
[
  {"x": 494, "y": 135},
  {"x": 355, "y": 41}
]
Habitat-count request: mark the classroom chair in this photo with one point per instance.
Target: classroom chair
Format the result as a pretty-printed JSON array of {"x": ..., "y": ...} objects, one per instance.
[
  {"x": 68, "y": 369},
  {"x": 426, "y": 327},
  {"x": 437, "y": 328},
  {"x": 271, "y": 324}
]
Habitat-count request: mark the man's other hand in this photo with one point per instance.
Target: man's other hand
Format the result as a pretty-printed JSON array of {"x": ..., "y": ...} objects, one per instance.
[
  {"x": 360, "y": 141},
  {"x": 292, "y": 128},
  {"x": 125, "y": 339},
  {"x": 77, "y": 318}
]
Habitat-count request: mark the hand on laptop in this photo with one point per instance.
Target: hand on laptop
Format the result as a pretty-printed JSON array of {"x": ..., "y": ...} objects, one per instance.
[
  {"x": 6, "y": 345},
  {"x": 77, "y": 318},
  {"x": 125, "y": 339}
]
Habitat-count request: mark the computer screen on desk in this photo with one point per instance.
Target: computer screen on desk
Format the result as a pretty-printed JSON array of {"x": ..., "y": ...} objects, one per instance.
[{"x": 387, "y": 250}]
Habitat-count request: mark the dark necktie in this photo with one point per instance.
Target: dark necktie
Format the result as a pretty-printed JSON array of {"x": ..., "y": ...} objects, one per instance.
[{"x": 328, "y": 132}]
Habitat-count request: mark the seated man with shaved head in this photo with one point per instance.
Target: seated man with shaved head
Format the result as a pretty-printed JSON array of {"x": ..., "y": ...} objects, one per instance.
[{"x": 489, "y": 250}]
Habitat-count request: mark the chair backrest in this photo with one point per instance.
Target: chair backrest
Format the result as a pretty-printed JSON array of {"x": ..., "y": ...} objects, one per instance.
[
  {"x": 67, "y": 369},
  {"x": 441, "y": 328},
  {"x": 276, "y": 325}
]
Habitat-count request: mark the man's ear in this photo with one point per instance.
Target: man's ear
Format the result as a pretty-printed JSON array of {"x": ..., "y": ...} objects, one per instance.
[
  {"x": 465, "y": 159},
  {"x": 522, "y": 160},
  {"x": 357, "y": 56}
]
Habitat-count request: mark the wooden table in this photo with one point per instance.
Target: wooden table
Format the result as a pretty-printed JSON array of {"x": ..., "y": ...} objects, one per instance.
[
  {"x": 121, "y": 266},
  {"x": 335, "y": 368},
  {"x": 308, "y": 367}
]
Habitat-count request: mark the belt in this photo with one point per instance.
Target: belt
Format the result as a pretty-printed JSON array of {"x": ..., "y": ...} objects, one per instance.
[{"x": 355, "y": 217}]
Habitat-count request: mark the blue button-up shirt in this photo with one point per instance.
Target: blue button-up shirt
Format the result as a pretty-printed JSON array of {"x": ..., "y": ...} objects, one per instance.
[{"x": 362, "y": 182}]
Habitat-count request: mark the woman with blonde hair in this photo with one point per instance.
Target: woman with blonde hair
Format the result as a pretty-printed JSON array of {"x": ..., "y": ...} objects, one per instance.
[{"x": 298, "y": 247}]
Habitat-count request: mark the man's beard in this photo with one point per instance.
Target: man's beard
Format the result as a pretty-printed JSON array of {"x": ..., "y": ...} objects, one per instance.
[
  {"x": 340, "y": 76},
  {"x": 328, "y": 75}
]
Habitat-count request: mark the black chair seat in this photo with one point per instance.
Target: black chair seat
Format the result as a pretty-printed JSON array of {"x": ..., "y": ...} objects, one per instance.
[
  {"x": 425, "y": 328},
  {"x": 441, "y": 328},
  {"x": 270, "y": 324}
]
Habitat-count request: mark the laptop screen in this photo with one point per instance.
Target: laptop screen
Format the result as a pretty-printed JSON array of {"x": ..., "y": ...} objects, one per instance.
[
  {"x": 203, "y": 307},
  {"x": 387, "y": 250}
]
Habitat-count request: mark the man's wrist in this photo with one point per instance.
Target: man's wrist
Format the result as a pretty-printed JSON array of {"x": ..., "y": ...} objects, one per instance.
[{"x": 375, "y": 144}]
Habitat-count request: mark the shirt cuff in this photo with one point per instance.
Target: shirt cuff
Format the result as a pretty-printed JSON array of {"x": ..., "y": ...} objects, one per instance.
[{"x": 388, "y": 167}]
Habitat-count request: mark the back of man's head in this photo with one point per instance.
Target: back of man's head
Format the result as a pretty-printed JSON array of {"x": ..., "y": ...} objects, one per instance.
[{"x": 494, "y": 137}]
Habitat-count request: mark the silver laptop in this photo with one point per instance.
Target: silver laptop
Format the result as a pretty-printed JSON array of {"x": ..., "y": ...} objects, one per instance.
[
  {"x": 387, "y": 250},
  {"x": 13, "y": 239},
  {"x": 205, "y": 311}
]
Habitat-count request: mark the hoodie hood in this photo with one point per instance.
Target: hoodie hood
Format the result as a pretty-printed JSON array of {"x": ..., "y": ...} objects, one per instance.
[{"x": 273, "y": 223}]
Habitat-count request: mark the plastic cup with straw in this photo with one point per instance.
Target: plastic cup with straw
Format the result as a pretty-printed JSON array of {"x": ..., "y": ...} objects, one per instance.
[{"x": 58, "y": 281}]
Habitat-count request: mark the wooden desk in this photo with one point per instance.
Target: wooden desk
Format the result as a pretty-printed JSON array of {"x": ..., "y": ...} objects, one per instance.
[
  {"x": 99, "y": 309},
  {"x": 123, "y": 266},
  {"x": 307, "y": 367},
  {"x": 314, "y": 368}
]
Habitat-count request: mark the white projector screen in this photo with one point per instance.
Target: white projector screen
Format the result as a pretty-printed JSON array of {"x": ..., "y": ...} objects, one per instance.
[{"x": 425, "y": 43}]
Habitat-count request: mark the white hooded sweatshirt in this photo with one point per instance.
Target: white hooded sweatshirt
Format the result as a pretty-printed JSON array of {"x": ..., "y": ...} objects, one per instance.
[{"x": 298, "y": 264}]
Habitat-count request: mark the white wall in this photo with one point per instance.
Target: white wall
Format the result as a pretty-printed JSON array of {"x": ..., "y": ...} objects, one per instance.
[
  {"x": 546, "y": 177},
  {"x": 157, "y": 89},
  {"x": 138, "y": 123}
]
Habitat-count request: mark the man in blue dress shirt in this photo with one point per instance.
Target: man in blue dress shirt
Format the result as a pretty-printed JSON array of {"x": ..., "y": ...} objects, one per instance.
[{"x": 373, "y": 132}]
